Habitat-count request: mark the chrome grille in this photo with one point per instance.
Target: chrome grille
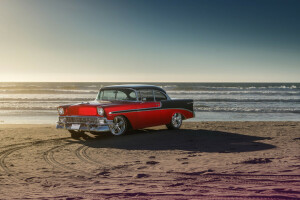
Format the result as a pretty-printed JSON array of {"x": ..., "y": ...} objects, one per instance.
[{"x": 79, "y": 120}]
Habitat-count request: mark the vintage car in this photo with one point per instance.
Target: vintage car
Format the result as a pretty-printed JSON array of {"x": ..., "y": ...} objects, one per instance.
[{"x": 119, "y": 108}]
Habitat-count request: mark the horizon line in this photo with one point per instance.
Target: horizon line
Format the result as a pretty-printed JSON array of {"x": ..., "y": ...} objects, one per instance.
[{"x": 145, "y": 82}]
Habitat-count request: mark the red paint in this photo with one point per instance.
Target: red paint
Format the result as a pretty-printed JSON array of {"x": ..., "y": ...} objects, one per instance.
[
  {"x": 138, "y": 119},
  {"x": 80, "y": 110}
]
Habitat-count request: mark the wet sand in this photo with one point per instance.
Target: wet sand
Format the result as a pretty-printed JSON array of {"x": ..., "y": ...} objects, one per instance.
[{"x": 203, "y": 160}]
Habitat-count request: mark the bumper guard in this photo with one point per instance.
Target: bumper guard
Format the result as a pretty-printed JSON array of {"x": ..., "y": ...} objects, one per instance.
[{"x": 84, "y": 123}]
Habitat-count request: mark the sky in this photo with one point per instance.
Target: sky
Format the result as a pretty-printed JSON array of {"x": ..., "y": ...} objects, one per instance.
[{"x": 150, "y": 40}]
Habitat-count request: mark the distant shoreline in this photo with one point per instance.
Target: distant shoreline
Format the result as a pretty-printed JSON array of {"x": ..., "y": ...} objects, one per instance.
[
  {"x": 145, "y": 82},
  {"x": 36, "y": 102}
]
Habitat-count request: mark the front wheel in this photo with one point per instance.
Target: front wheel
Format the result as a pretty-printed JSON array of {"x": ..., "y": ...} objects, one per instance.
[
  {"x": 175, "y": 122},
  {"x": 119, "y": 126}
]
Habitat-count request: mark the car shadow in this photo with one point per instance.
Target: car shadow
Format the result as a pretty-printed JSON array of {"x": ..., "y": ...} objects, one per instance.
[{"x": 184, "y": 139}]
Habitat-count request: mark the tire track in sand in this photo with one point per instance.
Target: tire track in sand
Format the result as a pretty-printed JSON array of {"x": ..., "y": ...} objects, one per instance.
[
  {"x": 5, "y": 153},
  {"x": 5, "y": 168},
  {"x": 82, "y": 155},
  {"x": 50, "y": 159}
]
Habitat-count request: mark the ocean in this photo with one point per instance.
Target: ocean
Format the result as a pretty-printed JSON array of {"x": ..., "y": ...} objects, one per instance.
[{"x": 35, "y": 103}]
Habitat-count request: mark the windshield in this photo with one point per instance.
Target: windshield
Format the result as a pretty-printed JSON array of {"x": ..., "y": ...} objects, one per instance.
[{"x": 117, "y": 95}]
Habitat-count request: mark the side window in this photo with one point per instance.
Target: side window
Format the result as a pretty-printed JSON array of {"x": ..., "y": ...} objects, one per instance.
[
  {"x": 159, "y": 96},
  {"x": 100, "y": 95},
  {"x": 146, "y": 95},
  {"x": 109, "y": 95},
  {"x": 121, "y": 96},
  {"x": 132, "y": 96}
]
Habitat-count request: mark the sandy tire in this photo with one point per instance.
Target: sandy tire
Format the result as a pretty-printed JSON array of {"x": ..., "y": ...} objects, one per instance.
[
  {"x": 76, "y": 134},
  {"x": 119, "y": 126},
  {"x": 176, "y": 122}
]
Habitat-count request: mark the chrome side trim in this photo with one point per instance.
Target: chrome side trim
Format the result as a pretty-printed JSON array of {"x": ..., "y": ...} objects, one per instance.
[
  {"x": 135, "y": 110},
  {"x": 148, "y": 109}
]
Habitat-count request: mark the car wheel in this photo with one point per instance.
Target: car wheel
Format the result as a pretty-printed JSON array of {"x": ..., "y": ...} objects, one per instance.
[
  {"x": 175, "y": 122},
  {"x": 76, "y": 134},
  {"x": 119, "y": 126}
]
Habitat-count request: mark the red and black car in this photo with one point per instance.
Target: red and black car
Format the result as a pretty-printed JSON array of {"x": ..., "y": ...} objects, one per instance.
[{"x": 119, "y": 108}]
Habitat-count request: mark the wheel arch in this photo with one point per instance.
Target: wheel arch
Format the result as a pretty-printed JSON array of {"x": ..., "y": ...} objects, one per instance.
[
  {"x": 128, "y": 121},
  {"x": 180, "y": 112},
  {"x": 183, "y": 115}
]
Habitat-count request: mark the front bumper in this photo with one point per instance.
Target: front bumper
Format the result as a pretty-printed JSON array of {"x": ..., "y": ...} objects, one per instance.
[{"x": 84, "y": 123}]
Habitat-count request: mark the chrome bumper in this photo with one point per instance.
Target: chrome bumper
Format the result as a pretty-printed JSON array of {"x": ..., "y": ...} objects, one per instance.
[{"x": 84, "y": 123}]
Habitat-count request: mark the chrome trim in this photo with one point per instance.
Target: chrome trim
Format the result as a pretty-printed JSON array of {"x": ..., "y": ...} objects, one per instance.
[
  {"x": 135, "y": 110},
  {"x": 153, "y": 95},
  {"x": 94, "y": 125},
  {"x": 84, "y": 128},
  {"x": 146, "y": 109}
]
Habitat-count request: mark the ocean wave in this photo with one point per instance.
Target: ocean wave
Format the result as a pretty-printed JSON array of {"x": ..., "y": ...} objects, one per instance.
[
  {"x": 45, "y": 99},
  {"x": 29, "y": 108},
  {"x": 194, "y": 94},
  {"x": 247, "y": 100},
  {"x": 84, "y": 88},
  {"x": 234, "y": 88},
  {"x": 283, "y": 87},
  {"x": 46, "y": 91},
  {"x": 246, "y": 110}
]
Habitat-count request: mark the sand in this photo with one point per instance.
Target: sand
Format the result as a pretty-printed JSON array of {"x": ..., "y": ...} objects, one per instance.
[{"x": 203, "y": 160}]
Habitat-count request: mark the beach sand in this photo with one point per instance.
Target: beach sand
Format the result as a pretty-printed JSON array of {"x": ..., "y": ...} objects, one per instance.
[{"x": 202, "y": 160}]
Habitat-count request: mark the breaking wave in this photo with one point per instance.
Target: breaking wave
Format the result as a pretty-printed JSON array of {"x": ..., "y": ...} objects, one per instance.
[
  {"x": 248, "y": 100},
  {"x": 246, "y": 110}
]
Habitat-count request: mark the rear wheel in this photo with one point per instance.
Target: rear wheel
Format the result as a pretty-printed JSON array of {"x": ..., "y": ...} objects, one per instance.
[
  {"x": 175, "y": 122},
  {"x": 76, "y": 134},
  {"x": 119, "y": 126}
]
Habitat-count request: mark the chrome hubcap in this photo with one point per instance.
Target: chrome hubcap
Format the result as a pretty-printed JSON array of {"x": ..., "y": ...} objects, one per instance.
[
  {"x": 118, "y": 126},
  {"x": 176, "y": 120}
]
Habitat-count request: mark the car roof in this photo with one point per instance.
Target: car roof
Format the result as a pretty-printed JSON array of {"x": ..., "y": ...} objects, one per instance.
[{"x": 134, "y": 86}]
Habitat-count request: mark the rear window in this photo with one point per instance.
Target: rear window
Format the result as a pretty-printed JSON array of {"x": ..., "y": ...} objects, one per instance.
[
  {"x": 146, "y": 95},
  {"x": 159, "y": 96}
]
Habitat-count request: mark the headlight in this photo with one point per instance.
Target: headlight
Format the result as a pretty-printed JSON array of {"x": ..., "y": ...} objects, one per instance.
[
  {"x": 60, "y": 111},
  {"x": 100, "y": 111}
]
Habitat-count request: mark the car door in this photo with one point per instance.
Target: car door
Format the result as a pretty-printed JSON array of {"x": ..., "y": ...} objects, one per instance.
[
  {"x": 148, "y": 109},
  {"x": 165, "y": 114}
]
